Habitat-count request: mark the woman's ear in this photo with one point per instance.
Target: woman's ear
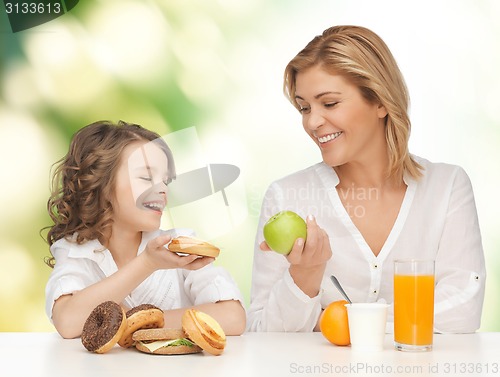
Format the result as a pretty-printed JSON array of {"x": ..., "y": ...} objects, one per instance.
[{"x": 381, "y": 111}]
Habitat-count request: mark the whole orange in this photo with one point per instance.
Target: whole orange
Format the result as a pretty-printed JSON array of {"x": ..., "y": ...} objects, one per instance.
[{"x": 334, "y": 325}]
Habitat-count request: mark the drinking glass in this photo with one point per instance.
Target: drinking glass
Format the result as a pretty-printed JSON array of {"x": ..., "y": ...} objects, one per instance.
[{"x": 413, "y": 304}]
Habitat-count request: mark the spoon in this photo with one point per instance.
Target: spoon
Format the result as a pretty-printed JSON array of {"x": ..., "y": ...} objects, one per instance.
[{"x": 339, "y": 287}]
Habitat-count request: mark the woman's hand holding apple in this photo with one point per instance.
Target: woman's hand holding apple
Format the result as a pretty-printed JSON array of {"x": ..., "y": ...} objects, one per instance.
[
  {"x": 314, "y": 251},
  {"x": 307, "y": 258}
]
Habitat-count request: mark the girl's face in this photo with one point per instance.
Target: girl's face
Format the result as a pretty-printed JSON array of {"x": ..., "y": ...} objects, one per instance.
[
  {"x": 140, "y": 189},
  {"x": 339, "y": 120}
]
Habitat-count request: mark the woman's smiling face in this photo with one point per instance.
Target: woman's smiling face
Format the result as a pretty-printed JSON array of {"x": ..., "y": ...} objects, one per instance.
[{"x": 345, "y": 126}]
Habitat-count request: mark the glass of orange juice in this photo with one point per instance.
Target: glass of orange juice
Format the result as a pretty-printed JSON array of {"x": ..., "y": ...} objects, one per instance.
[{"x": 413, "y": 304}]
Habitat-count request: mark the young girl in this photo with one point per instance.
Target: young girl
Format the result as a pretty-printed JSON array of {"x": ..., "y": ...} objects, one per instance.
[{"x": 108, "y": 195}]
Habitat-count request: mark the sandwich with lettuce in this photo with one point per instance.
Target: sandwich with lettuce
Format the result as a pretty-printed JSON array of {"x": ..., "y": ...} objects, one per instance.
[{"x": 200, "y": 332}]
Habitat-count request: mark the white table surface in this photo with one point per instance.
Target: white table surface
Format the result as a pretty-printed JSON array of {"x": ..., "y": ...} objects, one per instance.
[{"x": 252, "y": 354}]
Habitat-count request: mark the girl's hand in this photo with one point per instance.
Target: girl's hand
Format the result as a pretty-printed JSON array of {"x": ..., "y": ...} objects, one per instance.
[{"x": 158, "y": 257}]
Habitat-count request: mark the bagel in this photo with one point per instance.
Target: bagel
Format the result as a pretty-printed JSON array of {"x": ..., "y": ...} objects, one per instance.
[
  {"x": 103, "y": 327},
  {"x": 145, "y": 316},
  {"x": 204, "y": 330},
  {"x": 190, "y": 245}
]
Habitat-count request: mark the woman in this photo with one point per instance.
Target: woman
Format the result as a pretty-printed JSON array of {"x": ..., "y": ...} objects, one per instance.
[{"x": 369, "y": 202}]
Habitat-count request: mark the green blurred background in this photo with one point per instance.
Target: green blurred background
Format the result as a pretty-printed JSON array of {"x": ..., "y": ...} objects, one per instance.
[{"x": 217, "y": 66}]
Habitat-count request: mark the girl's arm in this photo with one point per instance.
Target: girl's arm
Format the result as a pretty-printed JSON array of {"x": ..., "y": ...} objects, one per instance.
[
  {"x": 71, "y": 311},
  {"x": 229, "y": 314}
]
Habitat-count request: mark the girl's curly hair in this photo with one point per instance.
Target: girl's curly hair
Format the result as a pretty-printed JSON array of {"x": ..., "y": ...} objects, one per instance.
[{"x": 84, "y": 181}]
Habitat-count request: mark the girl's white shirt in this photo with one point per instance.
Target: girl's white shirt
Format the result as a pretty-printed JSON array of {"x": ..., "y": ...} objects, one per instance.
[
  {"x": 79, "y": 266},
  {"x": 437, "y": 220}
]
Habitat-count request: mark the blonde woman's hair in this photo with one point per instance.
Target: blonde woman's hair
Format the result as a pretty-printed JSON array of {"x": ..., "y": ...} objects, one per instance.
[
  {"x": 363, "y": 58},
  {"x": 83, "y": 183}
]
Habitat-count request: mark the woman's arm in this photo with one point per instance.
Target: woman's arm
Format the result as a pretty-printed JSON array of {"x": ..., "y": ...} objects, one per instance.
[
  {"x": 286, "y": 292},
  {"x": 460, "y": 266}
]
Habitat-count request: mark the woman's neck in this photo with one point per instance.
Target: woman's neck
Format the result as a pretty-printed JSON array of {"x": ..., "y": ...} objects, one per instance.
[{"x": 368, "y": 175}]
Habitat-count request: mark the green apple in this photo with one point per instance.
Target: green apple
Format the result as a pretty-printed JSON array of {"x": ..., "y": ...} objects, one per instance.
[{"x": 282, "y": 229}]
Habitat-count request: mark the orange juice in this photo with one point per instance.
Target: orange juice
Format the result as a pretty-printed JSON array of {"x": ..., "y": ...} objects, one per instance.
[{"x": 413, "y": 309}]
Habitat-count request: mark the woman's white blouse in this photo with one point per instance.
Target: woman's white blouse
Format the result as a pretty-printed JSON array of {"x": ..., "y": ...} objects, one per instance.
[
  {"x": 79, "y": 266},
  {"x": 437, "y": 220}
]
